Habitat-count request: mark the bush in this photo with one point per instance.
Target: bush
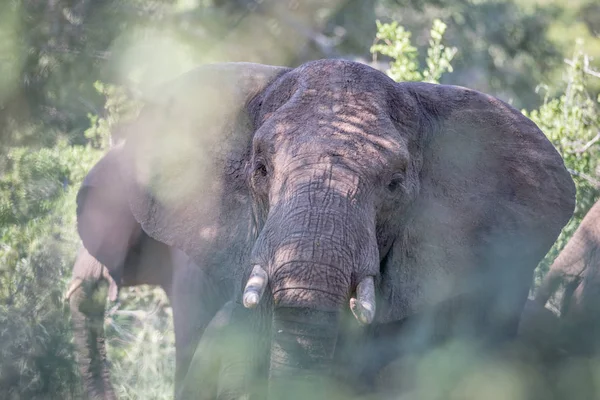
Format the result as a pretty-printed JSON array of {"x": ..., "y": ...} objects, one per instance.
[
  {"x": 38, "y": 243},
  {"x": 37, "y": 195}
]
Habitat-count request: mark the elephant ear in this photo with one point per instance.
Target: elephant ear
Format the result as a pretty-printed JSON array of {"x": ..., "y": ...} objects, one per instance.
[
  {"x": 104, "y": 221},
  {"x": 494, "y": 195},
  {"x": 186, "y": 155}
]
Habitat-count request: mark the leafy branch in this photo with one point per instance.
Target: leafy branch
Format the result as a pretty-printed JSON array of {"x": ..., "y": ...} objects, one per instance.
[{"x": 393, "y": 41}]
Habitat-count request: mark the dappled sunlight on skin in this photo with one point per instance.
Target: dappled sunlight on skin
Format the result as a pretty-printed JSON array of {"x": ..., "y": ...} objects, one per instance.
[
  {"x": 335, "y": 140},
  {"x": 332, "y": 120},
  {"x": 208, "y": 233},
  {"x": 314, "y": 260}
]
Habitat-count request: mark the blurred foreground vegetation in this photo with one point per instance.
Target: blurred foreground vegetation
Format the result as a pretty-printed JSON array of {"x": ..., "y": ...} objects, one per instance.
[{"x": 68, "y": 72}]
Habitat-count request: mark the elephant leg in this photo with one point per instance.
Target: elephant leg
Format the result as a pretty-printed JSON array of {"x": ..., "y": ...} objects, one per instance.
[
  {"x": 227, "y": 363},
  {"x": 567, "y": 297},
  {"x": 201, "y": 378},
  {"x": 488, "y": 320},
  {"x": 196, "y": 298},
  {"x": 498, "y": 302},
  {"x": 244, "y": 355}
]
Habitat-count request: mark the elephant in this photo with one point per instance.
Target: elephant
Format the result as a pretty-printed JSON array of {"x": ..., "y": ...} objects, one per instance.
[
  {"x": 540, "y": 333},
  {"x": 117, "y": 253},
  {"x": 341, "y": 210},
  {"x": 577, "y": 267}
]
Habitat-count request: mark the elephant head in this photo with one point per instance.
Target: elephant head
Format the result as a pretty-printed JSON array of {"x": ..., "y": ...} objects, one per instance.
[{"x": 329, "y": 186}]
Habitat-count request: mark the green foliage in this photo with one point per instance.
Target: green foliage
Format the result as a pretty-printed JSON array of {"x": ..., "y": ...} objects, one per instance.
[
  {"x": 34, "y": 181},
  {"x": 56, "y": 120},
  {"x": 404, "y": 65},
  {"x": 141, "y": 344},
  {"x": 119, "y": 106},
  {"x": 396, "y": 45},
  {"x": 439, "y": 56},
  {"x": 38, "y": 245},
  {"x": 572, "y": 122}
]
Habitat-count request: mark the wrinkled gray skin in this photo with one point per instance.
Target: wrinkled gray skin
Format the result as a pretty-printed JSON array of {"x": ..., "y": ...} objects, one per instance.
[
  {"x": 577, "y": 267},
  {"x": 325, "y": 175},
  {"x": 117, "y": 253}
]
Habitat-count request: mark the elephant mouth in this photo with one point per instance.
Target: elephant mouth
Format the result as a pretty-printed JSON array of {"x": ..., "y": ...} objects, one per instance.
[
  {"x": 362, "y": 305},
  {"x": 303, "y": 337},
  {"x": 302, "y": 348},
  {"x": 294, "y": 358}
]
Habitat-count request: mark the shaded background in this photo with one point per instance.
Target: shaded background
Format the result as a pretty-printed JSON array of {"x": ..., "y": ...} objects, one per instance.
[{"x": 68, "y": 72}]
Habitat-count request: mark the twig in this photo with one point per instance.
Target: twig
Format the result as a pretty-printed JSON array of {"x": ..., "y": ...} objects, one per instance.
[
  {"x": 588, "y": 144},
  {"x": 586, "y": 66},
  {"x": 592, "y": 72},
  {"x": 588, "y": 178}
]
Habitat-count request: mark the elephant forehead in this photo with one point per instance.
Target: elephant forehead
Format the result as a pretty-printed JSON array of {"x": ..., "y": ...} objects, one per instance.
[
  {"x": 350, "y": 75},
  {"x": 337, "y": 141},
  {"x": 321, "y": 89},
  {"x": 352, "y": 128}
]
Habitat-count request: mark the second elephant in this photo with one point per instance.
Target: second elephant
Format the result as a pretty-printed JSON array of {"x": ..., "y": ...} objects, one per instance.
[
  {"x": 117, "y": 253},
  {"x": 577, "y": 267}
]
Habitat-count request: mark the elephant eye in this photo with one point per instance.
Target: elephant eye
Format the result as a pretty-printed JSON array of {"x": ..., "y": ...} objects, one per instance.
[
  {"x": 394, "y": 183},
  {"x": 260, "y": 169}
]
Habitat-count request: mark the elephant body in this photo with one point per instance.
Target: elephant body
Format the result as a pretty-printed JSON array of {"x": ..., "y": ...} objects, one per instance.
[
  {"x": 577, "y": 267},
  {"x": 327, "y": 197},
  {"x": 116, "y": 253}
]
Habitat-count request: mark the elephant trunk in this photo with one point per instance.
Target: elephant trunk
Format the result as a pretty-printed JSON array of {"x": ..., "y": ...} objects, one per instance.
[
  {"x": 314, "y": 250},
  {"x": 89, "y": 288},
  {"x": 311, "y": 281},
  {"x": 302, "y": 348},
  {"x": 87, "y": 318},
  {"x": 549, "y": 285}
]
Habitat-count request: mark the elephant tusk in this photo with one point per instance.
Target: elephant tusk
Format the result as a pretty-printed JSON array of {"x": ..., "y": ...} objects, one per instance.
[
  {"x": 75, "y": 284},
  {"x": 255, "y": 287},
  {"x": 363, "y": 306}
]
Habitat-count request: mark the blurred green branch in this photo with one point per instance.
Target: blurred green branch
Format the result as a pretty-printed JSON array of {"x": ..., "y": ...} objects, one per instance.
[{"x": 394, "y": 41}]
